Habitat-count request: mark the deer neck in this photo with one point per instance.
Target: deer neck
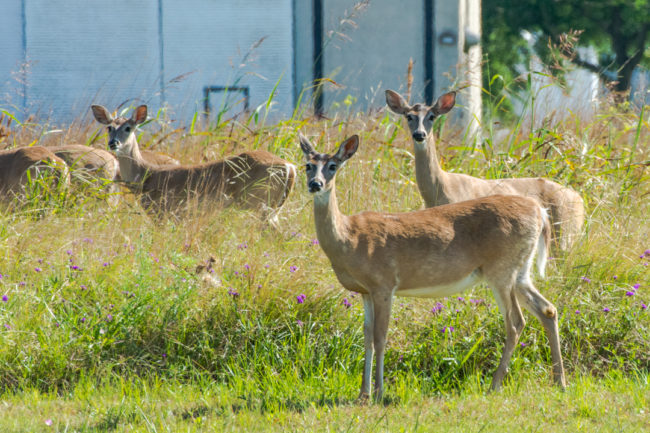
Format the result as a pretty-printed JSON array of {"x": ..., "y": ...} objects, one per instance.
[
  {"x": 133, "y": 167},
  {"x": 331, "y": 224},
  {"x": 430, "y": 177}
]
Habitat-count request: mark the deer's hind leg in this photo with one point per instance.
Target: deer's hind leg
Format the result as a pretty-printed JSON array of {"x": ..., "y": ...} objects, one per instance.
[
  {"x": 514, "y": 323},
  {"x": 546, "y": 312}
]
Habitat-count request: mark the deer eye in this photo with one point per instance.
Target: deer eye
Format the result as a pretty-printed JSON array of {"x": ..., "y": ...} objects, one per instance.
[
  {"x": 127, "y": 129},
  {"x": 332, "y": 167},
  {"x": 410, "y": 117},
  {"x": 309, "y": 167},
  {"x": 431, "y": 116},
  {"x": 110, "y": 128}
]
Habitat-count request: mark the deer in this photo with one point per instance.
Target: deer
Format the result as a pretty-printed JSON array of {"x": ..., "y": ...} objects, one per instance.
[
  {"x": 433, "y": 252},
  {"x": 89, "y": 162},
  {"x": 439, "y": 187},
  {"x": 18, "y": 165},
  {"x": 251, "y": 180}
]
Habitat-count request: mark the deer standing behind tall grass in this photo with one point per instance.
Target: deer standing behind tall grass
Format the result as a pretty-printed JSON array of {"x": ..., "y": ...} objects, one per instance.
[
  {"x": 251, "y": 180},
  {"x": 438, "y": 186}
]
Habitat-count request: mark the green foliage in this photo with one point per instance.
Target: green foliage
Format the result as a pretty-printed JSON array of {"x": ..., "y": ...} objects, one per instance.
[
  {"x": 109, "y": 299},
  {"x": 618, "y": 29}
]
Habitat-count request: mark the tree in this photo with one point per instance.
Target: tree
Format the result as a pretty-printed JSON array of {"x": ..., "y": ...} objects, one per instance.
[{"x": 618, "y": 29}]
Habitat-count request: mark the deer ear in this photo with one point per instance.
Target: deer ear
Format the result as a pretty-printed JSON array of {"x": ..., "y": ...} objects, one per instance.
[
  {"x": 305, "y": 145},
  {"x": 101, "y": 114},
  {"x": 139, "y": 115},
  {"x": 348, "y": 148},
  {"x": 445, "y": 103},
  {"x": 396, "y": 102}
]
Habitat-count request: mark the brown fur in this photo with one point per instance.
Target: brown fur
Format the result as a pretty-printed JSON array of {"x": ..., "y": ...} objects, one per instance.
[
  {"x": 15, "y": 163},
  {"x": 433, "y": 252},
  {"x": 439, "y": 187},
  {"x": 251, "y": 180}
]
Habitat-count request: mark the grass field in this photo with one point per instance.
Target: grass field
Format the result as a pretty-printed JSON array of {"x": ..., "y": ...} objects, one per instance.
[{"x": 106, "y": 326}]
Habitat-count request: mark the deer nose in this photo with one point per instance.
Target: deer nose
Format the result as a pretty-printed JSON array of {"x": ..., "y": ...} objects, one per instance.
[
  {"x": 315, "y": 185},
  {"x": 112, "y": 144},
  {"x": 419, "y": 135}
]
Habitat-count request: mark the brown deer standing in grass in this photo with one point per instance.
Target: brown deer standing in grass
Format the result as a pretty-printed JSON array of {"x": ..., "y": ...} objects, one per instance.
[
  {"x": 433, "y": 252},
  {"x": 250, "y": 180},
  {"x": 89, "y": 162},
  {"x": 439, "y": 187},
  {"x": 20, "y": 164}
]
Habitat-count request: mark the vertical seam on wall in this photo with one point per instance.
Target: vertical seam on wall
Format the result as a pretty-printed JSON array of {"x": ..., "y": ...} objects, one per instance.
[
  {"x": 293, "y": 54},
  {"x": 23, "y": 17},
  {"x": 318, "y": 55},
  {"x": 161, "y": 47},
  {"x": 429, "y": 53}
]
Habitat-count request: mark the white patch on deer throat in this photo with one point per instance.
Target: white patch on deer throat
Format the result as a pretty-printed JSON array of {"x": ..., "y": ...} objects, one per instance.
[{"x": 443, "y": 289}]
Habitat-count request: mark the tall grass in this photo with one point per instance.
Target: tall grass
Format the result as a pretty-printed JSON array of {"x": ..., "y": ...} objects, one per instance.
[{"x": 96, "y": 295}]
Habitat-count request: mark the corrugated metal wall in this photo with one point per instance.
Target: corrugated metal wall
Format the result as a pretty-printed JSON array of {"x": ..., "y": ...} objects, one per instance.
[{"x": 90, "y": 51}]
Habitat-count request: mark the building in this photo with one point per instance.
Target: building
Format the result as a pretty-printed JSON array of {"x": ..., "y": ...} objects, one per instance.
[{"x": 227, "y": 55}]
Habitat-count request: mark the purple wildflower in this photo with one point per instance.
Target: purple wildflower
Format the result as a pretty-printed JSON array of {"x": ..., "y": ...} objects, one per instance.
[
  {"x": 247, "y": 267},
  {"x": 523, "y": 344},
  {"x": 301, "y": 298},
  {"x": 5, "y": 298},
  {"x": 22, "y": 284},
  {"x": 232, "y": 292},
  {"x": 7, "y": 326},
  {"x": 267, "y": 266},
  {"x": 643, "y": 306},
  {"x": 109, "y": 317},
  {"x": 164, "y": 355},
  {"x": 57, "y": 324},
  {"x": 293, "y": 268},
  {"x": 83, "y": 287},
  {"x": 646, "y": 253},
  {"x": 75, "y": 268},
  {"x": 87, "y": 240},
  {"x": 346, "y": 303},
  {"x": 437, "y": 308},
  {"x": 299, "y": 322},
  {"x": 636, "y": 286},
  {"x": 577, "y": 311},
  {"x": 447, "y": 329},
  {"x": 83, "y": 319},
  {"x": 0, "y": 276},
  {"x": 606, "y": 310},
  {"x": 615, "y": 277},
  {"x": 68, "y": 252},
  {"x": 105, "y": 264},
  {"x": 48, "y": 422},
  {"x": 314, "y": 242},
  {"x": 586, "y": 279},
  {"x": 461, "y": 299},
  {"x": 37, "y": 269},
  {"x": 242, "y": 246},
  {"x": 629, "y": 293}
]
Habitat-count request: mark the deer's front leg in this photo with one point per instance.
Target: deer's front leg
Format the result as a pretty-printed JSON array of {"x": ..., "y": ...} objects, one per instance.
[
  {"x": 368, "y": 331},
  {"x": 382, "y": 303}
]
